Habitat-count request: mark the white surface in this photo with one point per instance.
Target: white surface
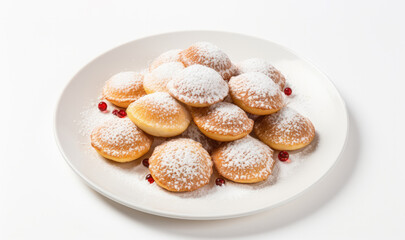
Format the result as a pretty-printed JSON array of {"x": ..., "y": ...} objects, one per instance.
[
  {"x": 314, "y": 96},
  {"x": 359, "y": 44}
]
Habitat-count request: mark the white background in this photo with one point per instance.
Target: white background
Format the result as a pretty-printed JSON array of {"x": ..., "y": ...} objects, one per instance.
[{"x": 359, "y": 44}]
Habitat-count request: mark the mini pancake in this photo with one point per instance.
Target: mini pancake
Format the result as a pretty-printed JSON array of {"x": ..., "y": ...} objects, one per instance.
[
  {"x": 285, "y": 130},
  {"x": 222, "y": 121},
  {"x": 159, "y": 115},
  {"x": 256, "y": 93},
  {"x": 198, "y": 86},
  {"x": 120, "y": 140},
  {"x": 246, "y": 160},
  {"x": 157, "y": 79},
  {"x": 180, "y": 165},
  {"x": 124, "y": 88},
  {"x": 209, "y": 55},
  {"x": 262, "y": 66},
  {"x": 166, "y": 57}
]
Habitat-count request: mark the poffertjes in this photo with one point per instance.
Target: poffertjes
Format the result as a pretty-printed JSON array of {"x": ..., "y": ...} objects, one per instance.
[
  {"x": 285, "y": 130},
  {"x": 166, "y": 57},
  {"x": 157, "y": 79},
  {"x": 246, "y": 160},
  {"x": 159, "y": 115},
  {"x": 180, "y": 165},
  {"x": 198, "y": 86},
  {"x": 262, "y": 66},
  {"x": 119, "y": 139},
  {"x": 256, "y": 93},
  {"x": 208, "y": 54},
  {"x": 124, "y": 88},
  {"x": 222, "y": 121}
]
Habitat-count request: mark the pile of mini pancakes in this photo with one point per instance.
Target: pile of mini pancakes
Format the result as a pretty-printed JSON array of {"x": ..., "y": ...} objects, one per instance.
[{"x": 205, "y": 107}]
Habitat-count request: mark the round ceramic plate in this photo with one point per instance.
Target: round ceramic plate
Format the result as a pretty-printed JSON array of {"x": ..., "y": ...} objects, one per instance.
[{"x": 314, "y": 96}]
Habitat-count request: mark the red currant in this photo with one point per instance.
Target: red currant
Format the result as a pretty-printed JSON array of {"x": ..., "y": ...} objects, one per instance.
[
  {"x": 150, "y": 178},
  {"x": 145, "y": 162},
  {"x": 102, "y": 106},
  {"x": 287, "y": 91},
  {"x": 219, "y": 181},
  {"x": 121, "y": 113},
  {"x": 115, "y": 112},
  {"x": 283, "y": 156}
]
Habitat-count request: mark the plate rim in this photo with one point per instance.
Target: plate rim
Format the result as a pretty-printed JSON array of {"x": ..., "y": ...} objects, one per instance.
[{"x": 161, "y": 213}]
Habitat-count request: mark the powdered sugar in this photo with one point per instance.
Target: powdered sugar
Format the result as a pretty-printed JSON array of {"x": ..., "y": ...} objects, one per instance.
[
  {"x": 160, "y": 103},
  {"x": 255, "y": 65},
  {"x": 229, "y": 112},
  {"x": 286, "y": 127},
  {"x": 166, "y": 57},
  {"x": 118, "y": 137},
  {"x": 91, "y": 117},
  {"x": 255, "y": 83},
  {"x": 198, "y": 84},
  {"x": 209, "y": 55},
  {"x": 181, "y": 164},
  {"x": 167, "y": 70},
  {"x": 124, "y": 80},
  {"x": 222, "y": 118},
  {"x": 124, "y": 87},
  {"x": 245, "y": 159},
  {"x": 262, "y": 66},
  {"x": 157, "y": 79},
  {"x": 293, "y": 125},
  {"x": 257, "y": 90}
]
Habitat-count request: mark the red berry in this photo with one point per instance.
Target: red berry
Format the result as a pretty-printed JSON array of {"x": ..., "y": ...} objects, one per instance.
[
  {"x": 287, "y": 91},
  {"x": 145, "y": 162},
  {"x": 115, "y": 112},
  {"x": 121, "y": 113},
  {"x": 102, "y": 106},
  {"x": 283, "y": 156},
  {"x": 219, "y": 181},
  {"x": 150, "y": 178}
]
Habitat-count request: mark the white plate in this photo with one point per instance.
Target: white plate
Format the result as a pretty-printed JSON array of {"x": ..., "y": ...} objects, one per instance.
[{"x": 314, "y": 95}]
